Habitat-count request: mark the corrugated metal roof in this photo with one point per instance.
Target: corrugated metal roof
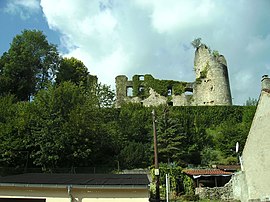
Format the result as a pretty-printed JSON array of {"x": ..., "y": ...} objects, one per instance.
[{"x": 77, "y": 179}]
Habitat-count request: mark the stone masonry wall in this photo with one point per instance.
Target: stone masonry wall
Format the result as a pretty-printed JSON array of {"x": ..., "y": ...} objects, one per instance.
[
  {"x": 211, "y": 86},
  {"x": 217, "y": 193},
  {"x": 212, "y": 81}
]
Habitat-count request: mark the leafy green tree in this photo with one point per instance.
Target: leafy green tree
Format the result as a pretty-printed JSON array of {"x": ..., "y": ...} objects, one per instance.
[
  {"x": 251, "y": 102},
  {"x": 172, "y": 138},
  {"x": 29, "y": 65},
  {"x": 73, "y": 70},
  {"x": 134, "y": 155},
  {"x": 135, "y": 129},
  {"x": 135, "y": 122},
  {"x": 105, "y": 96},
  {"x": 51, "y": 112},
  {"x": 15, "y": 133}
]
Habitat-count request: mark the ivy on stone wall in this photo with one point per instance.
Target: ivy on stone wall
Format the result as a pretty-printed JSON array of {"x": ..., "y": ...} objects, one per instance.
[
  {"x": 203, "y": 73},
  {"x": 141, "y": 87}
]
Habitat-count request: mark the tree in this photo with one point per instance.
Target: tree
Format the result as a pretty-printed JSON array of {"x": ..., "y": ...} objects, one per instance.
[
  {"x": 172, "y": 138},
  {"x": 251, "y": 102},
  {"x": 134, "y": 155},
  {"x": 52, "y": 109},
  {"x": 73, "y": 70},
  {"x": 15, "y": 119},
  {"x": 105, "y": 96},
  {"x": 29, "y": 65}
]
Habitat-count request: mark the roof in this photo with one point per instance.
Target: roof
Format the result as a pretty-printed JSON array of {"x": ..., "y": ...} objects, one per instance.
[
  {"x": 77, "y": 179},
  {"x": 229, "y": 167},
  {"x": 206, "y": 172}
]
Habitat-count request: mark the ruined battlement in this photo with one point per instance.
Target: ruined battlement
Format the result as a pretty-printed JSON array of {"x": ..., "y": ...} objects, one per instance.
[{"x": 211, "y": 86}]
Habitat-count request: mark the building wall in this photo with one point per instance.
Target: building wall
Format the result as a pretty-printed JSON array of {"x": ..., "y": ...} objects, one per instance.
[
  {"x": 80, "y": 195},
  {"x": 254, "y": 182},
  {"x": 256, "y": 158},
  {"x": 239, "y": 186}
]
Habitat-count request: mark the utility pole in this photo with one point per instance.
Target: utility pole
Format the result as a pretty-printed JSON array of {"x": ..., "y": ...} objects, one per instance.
[{"x": 156, "y": 157}]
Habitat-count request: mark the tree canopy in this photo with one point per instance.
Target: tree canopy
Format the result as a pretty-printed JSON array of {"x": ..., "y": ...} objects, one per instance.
[
  {"x": 70, "y": 120},
  {"x": 28, "y": 66}
]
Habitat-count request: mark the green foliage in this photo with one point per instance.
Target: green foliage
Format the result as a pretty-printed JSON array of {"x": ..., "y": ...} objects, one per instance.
[
  {"x": 171, "y": 137},
  {"x": 196, "y": 43},
  {"x": 215, "y": 53},
  {"x": 134, "y": 155},
  {"x": 141, "y": 87},
  {"x": 210, "y": 156},
  {"x": 28, "y": 66},
  {"x": 73, "y": 70},
  {"x": 203, "y": 73},
  {"x": 251, "y": 102},
  {"x": 175, "y": 176},
  {"x": 105, "y": 96},
  {"x": 188, "y": 185},
  {"x": 64, "y": 126}
]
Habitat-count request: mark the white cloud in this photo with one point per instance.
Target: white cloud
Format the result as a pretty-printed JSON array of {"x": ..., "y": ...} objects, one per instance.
[
  {"x": 115, "y": 37},
  {"x": 171, "y": 15},
  {"x": 24, "y": 8}
]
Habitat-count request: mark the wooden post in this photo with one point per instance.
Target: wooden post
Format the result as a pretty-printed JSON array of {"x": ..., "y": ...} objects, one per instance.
[{"x": 156, "y": 157}]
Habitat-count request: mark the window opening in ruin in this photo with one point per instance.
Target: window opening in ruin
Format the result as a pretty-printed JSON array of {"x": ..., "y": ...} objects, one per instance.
[
  {"x": 141, "y": 78},
  {"x": 169, "y": 92},
  {"x": 170, "y": 103},
  {"x": 129, "y": 91},
  {"x": 188, "y": 91},
  {"x": 141, "y": 89}
]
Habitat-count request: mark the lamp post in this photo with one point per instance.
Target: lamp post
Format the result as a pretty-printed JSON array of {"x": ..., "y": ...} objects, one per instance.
[{"x": 157, "y": 197}]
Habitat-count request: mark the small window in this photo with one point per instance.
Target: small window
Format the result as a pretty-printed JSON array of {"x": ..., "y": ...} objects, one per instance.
[
  {"x": 129, "y": 91},
  {"x": 170, "y": 103},
  {"x": 169, "y": 92},
  {"x": 188, "y": 91},
  {"x": 141, "y": 78},
  {"x": 141, "y": 89}
]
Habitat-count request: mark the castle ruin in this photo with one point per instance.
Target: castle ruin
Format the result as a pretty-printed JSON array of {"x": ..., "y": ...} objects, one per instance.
[{"x": 211, "y": 86}]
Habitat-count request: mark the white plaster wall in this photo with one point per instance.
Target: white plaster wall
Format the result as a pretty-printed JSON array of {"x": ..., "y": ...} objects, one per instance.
[
  {"x": 239, "y": 186},
  {"x": 80, "y": 195},
  {"x": 256, "y": 154}
]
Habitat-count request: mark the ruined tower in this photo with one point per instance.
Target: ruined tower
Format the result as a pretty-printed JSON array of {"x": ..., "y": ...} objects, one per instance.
[{"x": 212, "y": 81}]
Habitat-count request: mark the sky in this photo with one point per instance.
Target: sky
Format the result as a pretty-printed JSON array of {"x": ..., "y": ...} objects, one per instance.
[{"x": 127, "y": 37}]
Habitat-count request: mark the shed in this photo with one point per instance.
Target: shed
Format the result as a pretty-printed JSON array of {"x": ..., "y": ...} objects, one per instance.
[
  {"x": 42, "y": 187},
  {"x": 209, "y": 177}
]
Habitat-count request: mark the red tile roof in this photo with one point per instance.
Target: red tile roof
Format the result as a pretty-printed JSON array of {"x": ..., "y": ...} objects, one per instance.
[{"x": 211, "y": 172}]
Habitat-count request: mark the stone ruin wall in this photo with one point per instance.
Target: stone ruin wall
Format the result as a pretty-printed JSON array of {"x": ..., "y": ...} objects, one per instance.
[
  {"x": 212, "y": 80},
  {"x": 211, "y": 86}
]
